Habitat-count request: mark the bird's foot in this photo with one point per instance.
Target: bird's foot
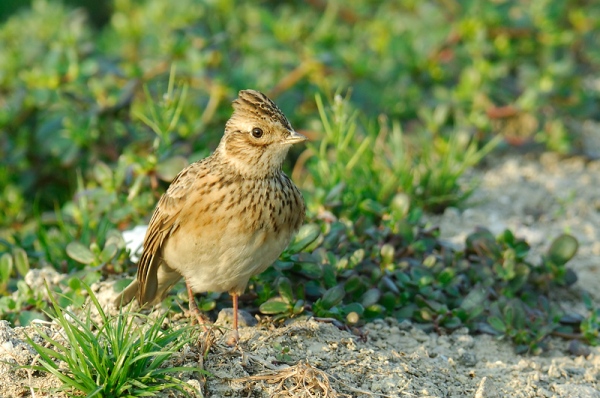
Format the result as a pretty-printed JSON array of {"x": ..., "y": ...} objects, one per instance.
[
  {"x": 198, "y": 317},
  {"x": 206, "y": 341},
  {"x": 233, "y": 338},
  {"x": 195, "y": 314}
]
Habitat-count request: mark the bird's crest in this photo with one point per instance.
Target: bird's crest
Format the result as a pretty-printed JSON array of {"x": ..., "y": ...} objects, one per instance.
[{"x": 252, "y": 104}]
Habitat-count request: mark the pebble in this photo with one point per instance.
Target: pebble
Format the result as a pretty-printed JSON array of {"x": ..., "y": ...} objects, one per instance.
[
  {"x": 579, "y": 349},
  {"x": 245, "y": 319}
]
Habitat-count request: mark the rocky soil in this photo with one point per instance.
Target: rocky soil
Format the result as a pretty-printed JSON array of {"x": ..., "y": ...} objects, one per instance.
[{"x": 537, "y": 196}]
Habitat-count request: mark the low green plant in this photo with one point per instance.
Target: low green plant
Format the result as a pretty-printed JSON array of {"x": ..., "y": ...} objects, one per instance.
[
  {"x": 285, "y": 305},
  {"x": 590, "y": 325},
  {"x": 12, "y": 262},
  {"x": 490, "y": 286},
  {"x": 24, "y": 306},
  {"x": 28, "y": 303},
  {"x": 96, "y": 257},
  {"x": 357, "y": 169},
  {"x": 282, "y": 354},
  {"x": 118, "y": 356},
  {"x": 162, "y": 116}
]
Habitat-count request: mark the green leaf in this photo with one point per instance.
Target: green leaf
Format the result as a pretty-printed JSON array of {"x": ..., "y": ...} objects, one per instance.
[
  {"x": 353, "y": 283},
  {"x": 425, "y": 280},
  {"x": 356, "y": 258},
  {"x": 497, "y": 323},
  {"x": 298, "y": 307},
  {"x": 507, "y": 237},
  {"x": 21, "y": 261},
  {"x": 285, "y": 290},
  {"x": 25, "y": 317},
  {"x": 74, "y": 283},
  {"x": 107, "y": 254},
  {"x": 429, "y": 261},
  {"x": 308, "y": 234},
  {"x": 520, "y": 318},
  {"x": 426, "y": 314},
  {"x": 406, "y": 312},
  {"x": 283, "y": 265},
  {"x": 370, "y": 297},
  {"x": 446, "y": 276},
  {"x": 372, "y": 207},
  {"x": 452, "y": 322},
  {"x": 329, "y": 275},
  {"x": 474, "y": 299},
  {"x": 207, "y": 304},
  {"x": 401, "y": 204},
  {"x": 310, "y": 270},
  {"x": 6, "y": 266},
  {"x": 333, "y": 296},
  {"x": 563, "y": 249},
  {"x": 388, "y": 300},
  {"x": 78, "y": 252},
  {"x": 509, "y": 314},
  {"x": 114, "y": 237},
  {"x": 103, "y": 174},
  {"x": 90, "y": 277},
  {"x": 387, "y": 254},
  {"x": 521, "y": 249},
  {"x": 335, "y": 193},
  {"x": 402, "y": 279},
  {"x": 275, "y": 305},
  {"x": 406, "y": 230},
  {"x": 375, "y": 311},
  {"x": 482, "y": 241},
  {"x": 354, "y": 307}
]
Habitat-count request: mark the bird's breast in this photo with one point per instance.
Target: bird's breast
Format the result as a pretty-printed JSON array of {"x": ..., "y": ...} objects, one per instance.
[{"x": 237, "y": 231}]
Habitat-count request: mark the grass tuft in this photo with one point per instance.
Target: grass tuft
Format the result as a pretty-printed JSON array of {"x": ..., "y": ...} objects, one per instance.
[{"x": 125, "y": 355}]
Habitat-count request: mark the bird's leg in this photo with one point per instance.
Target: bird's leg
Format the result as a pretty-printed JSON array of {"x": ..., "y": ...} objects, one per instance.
[
  {"x": 194, "y": 311},
  {"x": 236, "y": 335}
]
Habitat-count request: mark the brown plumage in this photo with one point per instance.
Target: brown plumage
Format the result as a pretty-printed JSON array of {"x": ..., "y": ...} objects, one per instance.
[{"x": 227, "y": 217}]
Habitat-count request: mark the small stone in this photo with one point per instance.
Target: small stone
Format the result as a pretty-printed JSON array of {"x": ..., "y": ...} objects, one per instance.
[
  {"x": 579, "y": 349},
  {"x": 36, "y": 279},
  {"x": 468, "y": 359},
  {"x": 195, "y": 384},
  {"x": 244, "y": 318}
]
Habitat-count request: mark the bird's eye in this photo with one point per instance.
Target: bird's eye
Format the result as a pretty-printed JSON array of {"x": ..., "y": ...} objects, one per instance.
[{"x": 257, "y": 132}]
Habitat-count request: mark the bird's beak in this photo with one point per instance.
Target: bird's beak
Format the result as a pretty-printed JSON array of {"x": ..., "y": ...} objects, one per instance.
[{"x": 295, "y": 138}]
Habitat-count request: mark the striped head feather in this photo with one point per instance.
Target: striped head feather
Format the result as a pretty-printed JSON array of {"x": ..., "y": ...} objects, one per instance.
[{"x": 257, "y": 136}]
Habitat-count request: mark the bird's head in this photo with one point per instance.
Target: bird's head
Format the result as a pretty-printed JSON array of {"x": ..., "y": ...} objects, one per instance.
[{"x": 257, "y": 136}]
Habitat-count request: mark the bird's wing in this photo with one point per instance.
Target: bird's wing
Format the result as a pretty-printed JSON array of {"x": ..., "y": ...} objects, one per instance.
[{"x": 164, "y": 222}]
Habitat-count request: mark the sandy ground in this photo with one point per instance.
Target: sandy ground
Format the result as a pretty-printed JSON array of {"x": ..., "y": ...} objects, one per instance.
[{"x": 538, "y": 197}]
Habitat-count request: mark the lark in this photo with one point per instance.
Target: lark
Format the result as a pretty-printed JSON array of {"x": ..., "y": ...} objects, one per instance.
[{"x": 227, "y": 217}]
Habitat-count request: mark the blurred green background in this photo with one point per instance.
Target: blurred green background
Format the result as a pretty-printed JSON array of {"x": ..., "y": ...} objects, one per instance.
[
  {"x": 98, "y": 12},
  {"x": 72, "y": 74}
]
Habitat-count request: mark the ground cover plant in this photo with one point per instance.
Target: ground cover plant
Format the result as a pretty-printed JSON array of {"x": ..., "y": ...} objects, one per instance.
[
  {"x": 117, "y": 356},
  {"x": 399, "y": 100}
]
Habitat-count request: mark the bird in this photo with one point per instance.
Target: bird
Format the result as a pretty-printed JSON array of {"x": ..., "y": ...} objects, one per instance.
[{"x": 227, "y": 217}]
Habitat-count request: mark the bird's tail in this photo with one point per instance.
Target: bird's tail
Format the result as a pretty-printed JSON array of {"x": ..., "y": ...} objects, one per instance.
[
  {"x": 157, "y": 287},
  {"x": 127, "y": 294}
]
